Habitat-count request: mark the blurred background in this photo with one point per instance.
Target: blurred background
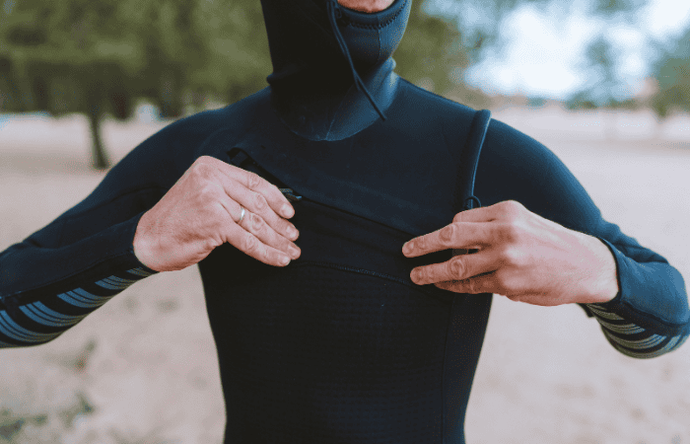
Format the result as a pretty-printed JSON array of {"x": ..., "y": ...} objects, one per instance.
[
  {"x": 107, "y": 59},
  {"x": 605, "y": 84}
]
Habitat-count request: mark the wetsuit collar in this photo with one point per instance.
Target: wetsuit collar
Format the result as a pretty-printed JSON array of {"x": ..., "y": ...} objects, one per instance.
[{"x": 313, "y": 86}]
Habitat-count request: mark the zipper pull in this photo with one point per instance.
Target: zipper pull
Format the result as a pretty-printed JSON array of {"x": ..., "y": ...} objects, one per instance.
[{"x": 290, "y": 194}]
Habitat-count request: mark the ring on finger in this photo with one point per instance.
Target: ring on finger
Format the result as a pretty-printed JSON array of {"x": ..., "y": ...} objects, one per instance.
[{"x": 242, "y": 213}]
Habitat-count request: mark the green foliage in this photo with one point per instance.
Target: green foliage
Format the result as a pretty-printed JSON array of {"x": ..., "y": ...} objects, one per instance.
[
  {"x": 621, "y": 8},
  {"x": 672, "y": 75},
  {"x": 601, "y": 90},
  {"x": 100, "y": 56},
  {"x": 96, "y": 53},
  {"x": 673, "y": 79},
  {"x": 237, "y": 58},
  {"x": 605, "y": 88},
  {"x": 429, "y": 51},
  {"x": 479, "y": 20}
]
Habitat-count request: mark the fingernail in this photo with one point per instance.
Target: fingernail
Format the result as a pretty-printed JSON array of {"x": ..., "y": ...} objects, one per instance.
[
  {"x": 407, "y": 248},
  {"x": 287, "y": 211},
  {"x": 415, "y": 276},
  {"x": 294, "y": 251},
  {"x": 284, "y": 260},
  {"x": 292, "y": 232}
]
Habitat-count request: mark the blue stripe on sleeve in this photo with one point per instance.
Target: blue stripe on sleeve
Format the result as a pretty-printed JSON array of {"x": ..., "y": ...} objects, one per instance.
[
  {"x": 41, "y": 314},
  {"x": 37, "y": 314},
  {"x": 630, "y": 339}
]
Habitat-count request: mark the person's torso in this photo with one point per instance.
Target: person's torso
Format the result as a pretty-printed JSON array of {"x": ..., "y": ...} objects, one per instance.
[{"x": 341, "y": 346}]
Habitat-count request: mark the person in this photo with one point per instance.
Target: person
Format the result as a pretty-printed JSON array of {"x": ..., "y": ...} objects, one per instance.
[{"x": 359, "y": 327}]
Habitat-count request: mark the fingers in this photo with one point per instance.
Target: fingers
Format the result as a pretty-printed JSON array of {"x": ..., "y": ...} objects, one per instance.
[
  {"x": 256, "y": 204},
  {"x": 505, "y": 210},
  {"x": 455, "y": 269},
  {"x": 471, "y": 229},
  {"x": 263, "y": 233},
  {"x": 259, "y": 230},
  {"x": 481, "y": 214},
  {"x": 483, "y": 283},
  {"x": 260, "y": 197},
  {"x": 252, "y": 181},
  {"x": 456, "y": 235},
  {"x": 253, "y": 246},
  {"x": 255, "y": 225}
]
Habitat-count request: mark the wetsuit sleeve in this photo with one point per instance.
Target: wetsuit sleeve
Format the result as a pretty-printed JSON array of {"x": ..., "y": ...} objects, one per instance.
[
  {"x": 649, "y": 316},
  {"x": 63, "y": 272}
]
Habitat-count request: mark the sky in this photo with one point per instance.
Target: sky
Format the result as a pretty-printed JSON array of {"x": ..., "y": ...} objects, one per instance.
[{"x": 544, "y": 55}]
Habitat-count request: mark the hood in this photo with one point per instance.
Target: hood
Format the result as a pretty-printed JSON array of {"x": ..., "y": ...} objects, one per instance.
[{"x": 332, "y": 66}]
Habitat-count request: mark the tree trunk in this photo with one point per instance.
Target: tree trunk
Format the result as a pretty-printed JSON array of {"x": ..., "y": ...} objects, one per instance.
[{"x": 99, "y": 156}]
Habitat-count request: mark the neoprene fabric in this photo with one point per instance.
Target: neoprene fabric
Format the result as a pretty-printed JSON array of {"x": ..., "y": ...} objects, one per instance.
[
  {"x": 312, "y": 82},
  {"x": 340, "y": 346}
]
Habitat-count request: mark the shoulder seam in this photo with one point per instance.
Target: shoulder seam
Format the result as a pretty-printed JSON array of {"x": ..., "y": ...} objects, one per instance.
[{"x": 436, "y": 96}]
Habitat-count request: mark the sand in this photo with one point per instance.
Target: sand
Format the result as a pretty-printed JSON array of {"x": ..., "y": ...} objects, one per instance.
[{"x": 143, "y": 369}]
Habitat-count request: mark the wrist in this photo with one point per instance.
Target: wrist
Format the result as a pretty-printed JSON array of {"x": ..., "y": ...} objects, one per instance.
[
  {"x": 143, "y": 248},
  {"x": 604, "y": 283}
]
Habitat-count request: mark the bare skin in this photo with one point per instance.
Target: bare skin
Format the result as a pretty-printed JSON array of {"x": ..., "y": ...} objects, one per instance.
[
  {"x": 520, "y": 255},
  {"x": 201, "y": 212},
  {"x": 369, "y": 6}
]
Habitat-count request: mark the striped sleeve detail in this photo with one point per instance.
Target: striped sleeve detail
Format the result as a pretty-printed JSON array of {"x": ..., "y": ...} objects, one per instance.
[
  {"x": 601, "y": 313},
  {"x": 44, "y": 315},
  {"x": 82, "y": 298},
  {"x": 631, "y": 339},
  {"x": 15, "y": 332},
  {"x": 40, "y": 321},
  {"x": 115, "y": 283}
]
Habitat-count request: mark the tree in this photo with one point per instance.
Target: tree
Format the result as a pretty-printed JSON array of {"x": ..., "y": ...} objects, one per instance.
[
  {"x": 430, "y": 50},
  {"x": 602, "y": 89},
  {"x": 673, "y": 79},
  {"x": 605, "y": 88},
  {"x": 672, "y": 75},
  {"x": 96, "y": 57}
]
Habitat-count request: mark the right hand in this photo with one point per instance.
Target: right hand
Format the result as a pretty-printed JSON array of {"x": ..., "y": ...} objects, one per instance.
[{"x": 200, "y": 212}]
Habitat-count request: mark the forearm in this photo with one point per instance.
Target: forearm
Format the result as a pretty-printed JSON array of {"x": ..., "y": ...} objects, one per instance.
[
  {"x": 634, "y": 340},
  {"x": 45, "y": 291},
  {"x": 602, "y": 279},
  {"x": 33, "y": 318},
  {"x": 649, "y": 316},
  {"x": 63, "y": 272}
]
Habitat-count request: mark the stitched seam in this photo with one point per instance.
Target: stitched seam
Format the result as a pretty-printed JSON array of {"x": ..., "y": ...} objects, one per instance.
[
  {"x": 120, "y": 196},
  {"x": 365, "y": 272},
  {"x": 380, "y": 25},
  {"x": 89, "y": 269},
  {"x": 684, "y": 325}
]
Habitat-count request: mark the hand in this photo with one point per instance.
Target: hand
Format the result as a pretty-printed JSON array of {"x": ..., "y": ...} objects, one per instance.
[
  {"x": 200, "y": 212},
  {"x": 520, "y": 255}
]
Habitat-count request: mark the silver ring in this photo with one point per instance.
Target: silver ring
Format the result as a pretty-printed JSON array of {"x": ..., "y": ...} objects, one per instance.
[{"x": 241, "y": 215}]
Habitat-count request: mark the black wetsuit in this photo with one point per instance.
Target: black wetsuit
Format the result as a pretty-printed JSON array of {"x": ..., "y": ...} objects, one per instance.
[{"x": 340, "y": 346}]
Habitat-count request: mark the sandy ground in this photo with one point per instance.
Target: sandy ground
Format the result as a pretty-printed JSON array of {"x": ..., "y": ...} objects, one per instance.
[{"x": 142, "y": 369}]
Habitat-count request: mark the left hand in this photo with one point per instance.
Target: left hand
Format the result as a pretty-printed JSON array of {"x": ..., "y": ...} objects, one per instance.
[{"x": 520, "y": 255}]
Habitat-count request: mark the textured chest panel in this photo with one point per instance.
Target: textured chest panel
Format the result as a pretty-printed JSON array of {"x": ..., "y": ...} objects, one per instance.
[
  {"x": 323, "y": 353},
  {"x": 340, "y": 346}
]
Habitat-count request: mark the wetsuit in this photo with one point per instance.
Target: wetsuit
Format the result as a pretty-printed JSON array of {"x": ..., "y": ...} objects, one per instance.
[{"x": 340, "y": 346}]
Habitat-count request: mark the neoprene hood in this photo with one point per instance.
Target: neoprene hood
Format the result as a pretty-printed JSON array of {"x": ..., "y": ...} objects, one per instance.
[{"x": 317, "y": 92}]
